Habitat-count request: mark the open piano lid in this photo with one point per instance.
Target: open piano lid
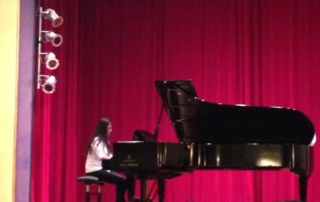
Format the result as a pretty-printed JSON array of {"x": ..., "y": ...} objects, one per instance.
[{"x": 195, "y": 120}]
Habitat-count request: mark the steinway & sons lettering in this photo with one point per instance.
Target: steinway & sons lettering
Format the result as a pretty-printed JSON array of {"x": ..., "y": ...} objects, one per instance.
[{"x": 128, "y": 162}]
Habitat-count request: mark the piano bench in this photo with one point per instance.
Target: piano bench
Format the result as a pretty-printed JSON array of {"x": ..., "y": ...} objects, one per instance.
[{"x": 88, "y": 181}]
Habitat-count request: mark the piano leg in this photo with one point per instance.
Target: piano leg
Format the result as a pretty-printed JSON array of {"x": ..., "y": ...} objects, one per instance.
[
  {"x": 130, "y": 182},
  {"x": 161, "y": 189},
  {"x": 303, "y": 182},
  {"x": 143, "y": 190}
]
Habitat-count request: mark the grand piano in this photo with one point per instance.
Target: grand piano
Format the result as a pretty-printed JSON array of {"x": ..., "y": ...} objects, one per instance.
[{"x": 219, "y": 136}]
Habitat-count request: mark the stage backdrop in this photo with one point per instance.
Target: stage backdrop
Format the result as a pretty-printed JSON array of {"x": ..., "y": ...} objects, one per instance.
[{"x": 261, "y": 53}]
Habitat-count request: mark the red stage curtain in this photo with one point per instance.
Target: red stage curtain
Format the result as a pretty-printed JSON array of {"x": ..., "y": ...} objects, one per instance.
[{"x": 261, "y": 53}]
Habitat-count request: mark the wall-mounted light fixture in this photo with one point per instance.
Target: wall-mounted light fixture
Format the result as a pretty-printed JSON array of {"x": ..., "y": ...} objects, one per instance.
[
  {"x": 53, "y": 16},
  {"x": 48, "y": 82},
  {"x": 50, "y": 60},
  {"x": 50, "y": 36}
]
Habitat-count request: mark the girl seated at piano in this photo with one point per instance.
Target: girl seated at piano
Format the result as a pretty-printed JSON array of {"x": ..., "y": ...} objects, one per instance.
[{"x": 98, "y": 150}]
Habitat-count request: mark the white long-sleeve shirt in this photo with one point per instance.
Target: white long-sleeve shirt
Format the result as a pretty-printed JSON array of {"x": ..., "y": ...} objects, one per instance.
[{"x": 94, "y": 158}]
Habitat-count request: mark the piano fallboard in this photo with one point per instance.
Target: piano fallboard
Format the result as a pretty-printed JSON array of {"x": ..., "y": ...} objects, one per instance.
[{"x": 149, "y": 159}]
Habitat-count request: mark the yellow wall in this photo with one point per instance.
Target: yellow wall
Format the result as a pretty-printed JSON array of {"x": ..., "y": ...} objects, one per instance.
[{"x": 9, "y": 41}]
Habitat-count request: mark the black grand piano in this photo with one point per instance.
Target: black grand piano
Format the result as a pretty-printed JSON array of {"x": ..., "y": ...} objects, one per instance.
[{"x": 218, "y": 136}]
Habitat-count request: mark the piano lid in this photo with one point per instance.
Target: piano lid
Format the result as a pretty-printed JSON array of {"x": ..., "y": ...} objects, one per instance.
[{"x": 195, "y": 120}]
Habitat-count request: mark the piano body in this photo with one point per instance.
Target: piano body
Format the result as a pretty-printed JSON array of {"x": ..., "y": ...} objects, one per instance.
[{"x": 218, "y": 136}]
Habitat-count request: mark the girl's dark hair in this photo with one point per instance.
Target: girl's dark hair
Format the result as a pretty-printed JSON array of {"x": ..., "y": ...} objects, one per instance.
[{"x": 101, "y": 133}]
